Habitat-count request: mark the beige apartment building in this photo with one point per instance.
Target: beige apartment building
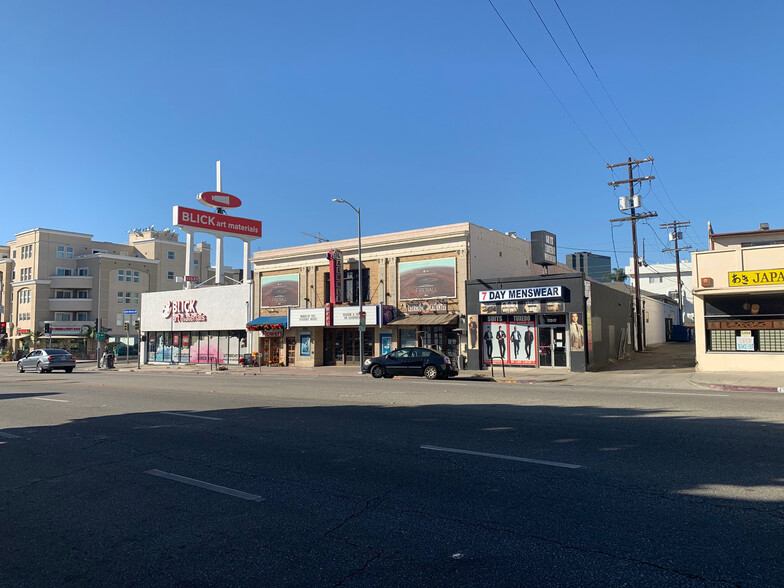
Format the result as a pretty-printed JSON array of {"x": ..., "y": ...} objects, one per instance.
[
  {"x": 739, "y": 302},
  {"x": 413, "y": 285},
  {"x": 58, "y": 283}
]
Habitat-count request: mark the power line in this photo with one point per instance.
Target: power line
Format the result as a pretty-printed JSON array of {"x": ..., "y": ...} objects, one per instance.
[
  {"x": 598, "y": 78},
  {"x": 579, "y": 81},
  {"x": 531, "y": 61}
]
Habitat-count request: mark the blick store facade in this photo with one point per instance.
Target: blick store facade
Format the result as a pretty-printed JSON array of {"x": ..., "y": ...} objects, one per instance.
[{"x": 204, "y": 325}]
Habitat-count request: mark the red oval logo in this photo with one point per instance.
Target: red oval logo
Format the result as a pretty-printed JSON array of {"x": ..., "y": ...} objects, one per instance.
[{"x": 219, "y": 200}]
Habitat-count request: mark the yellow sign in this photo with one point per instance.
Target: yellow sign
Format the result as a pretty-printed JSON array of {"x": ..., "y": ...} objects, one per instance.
[{"x": 757, "y": 278}]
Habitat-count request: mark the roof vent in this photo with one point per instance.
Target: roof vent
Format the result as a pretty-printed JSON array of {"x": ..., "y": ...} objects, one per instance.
[{"x": 764, "y": 227}]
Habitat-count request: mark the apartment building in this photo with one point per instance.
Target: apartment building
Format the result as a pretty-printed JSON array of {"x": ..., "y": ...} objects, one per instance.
[{"x": 58, "y": 283}]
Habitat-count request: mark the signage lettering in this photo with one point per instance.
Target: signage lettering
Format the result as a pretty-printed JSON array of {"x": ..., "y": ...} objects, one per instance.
[
  {"x": 757, "y": 278},
  {"x": 211, "y": 222},
  {"x": 520, "y": 294}
]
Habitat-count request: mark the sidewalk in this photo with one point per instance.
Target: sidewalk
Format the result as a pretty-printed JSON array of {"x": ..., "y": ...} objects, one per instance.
[{"x": 669, "y": 365}]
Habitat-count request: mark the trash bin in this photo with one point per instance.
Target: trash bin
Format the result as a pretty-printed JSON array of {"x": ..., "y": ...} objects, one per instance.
[{"x": 109, "y": 361}]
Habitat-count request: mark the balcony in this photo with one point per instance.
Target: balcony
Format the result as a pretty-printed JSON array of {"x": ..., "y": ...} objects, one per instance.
[
  {"x": 70, "y": 304},
  {"x": 71, "y": 282}
]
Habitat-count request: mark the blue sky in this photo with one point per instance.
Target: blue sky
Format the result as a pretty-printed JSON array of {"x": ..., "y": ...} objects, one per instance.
[{"x": 420, "y": 113}]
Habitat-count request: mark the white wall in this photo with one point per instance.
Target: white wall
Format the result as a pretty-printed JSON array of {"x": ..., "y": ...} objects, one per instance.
[{"x": 225, "y": 307}]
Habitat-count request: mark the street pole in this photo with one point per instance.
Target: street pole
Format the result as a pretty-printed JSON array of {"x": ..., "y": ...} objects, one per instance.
[
  {"x": 359, "y": 277},
  {"x": 634, "y": 218},
  {"x": 675, "y": 225}
]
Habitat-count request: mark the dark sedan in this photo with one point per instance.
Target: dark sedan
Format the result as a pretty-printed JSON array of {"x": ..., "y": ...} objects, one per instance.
[
  {"x": 46, "y": 360},
  {"x": 411, "y": 361}
]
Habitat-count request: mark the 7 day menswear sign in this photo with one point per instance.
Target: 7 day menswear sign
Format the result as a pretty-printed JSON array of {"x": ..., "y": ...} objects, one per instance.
[{"x": 520, "y": 294}]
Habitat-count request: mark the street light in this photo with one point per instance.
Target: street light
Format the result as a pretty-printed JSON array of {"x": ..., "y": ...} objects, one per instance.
[{"x": 359, "y": 254}]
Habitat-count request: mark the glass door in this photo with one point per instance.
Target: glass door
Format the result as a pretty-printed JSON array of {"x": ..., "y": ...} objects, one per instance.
[
  {"x": 559, "y": 347},
  {"x": 545, "y": 347}
]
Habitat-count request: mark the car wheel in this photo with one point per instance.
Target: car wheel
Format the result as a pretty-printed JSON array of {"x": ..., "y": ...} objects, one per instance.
[
  {"x": 431, "y": 372},
  {"x": 377, "y": 371},
  {"x": 19, "y": 367},
  {"x": 68, "y": 370},
  {"x": 40, "y": 368}
]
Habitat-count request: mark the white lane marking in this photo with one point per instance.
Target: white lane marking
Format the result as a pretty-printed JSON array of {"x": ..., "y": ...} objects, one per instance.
[
  {"x": 683, "y": 394},
  {"x": 192, "y": 416},
  {"x": 205, "y": 485},
  {"x": 9, "y": 435},
  {"x": 499, "y": 456},
  {"x": 48, "y": 399}
]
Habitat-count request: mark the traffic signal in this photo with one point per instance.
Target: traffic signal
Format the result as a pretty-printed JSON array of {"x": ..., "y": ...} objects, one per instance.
[
  {"x": 3, "y": 328},
  {"x": 47, "y": 328},
  {"x": 137, "y": 323},
  {"x": 127, "y": 326}
]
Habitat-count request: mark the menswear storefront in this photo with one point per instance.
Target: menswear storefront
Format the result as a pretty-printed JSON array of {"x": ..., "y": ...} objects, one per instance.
[
  {"x": 561, "y": 320},
  {"x": 204, "y": 325}
]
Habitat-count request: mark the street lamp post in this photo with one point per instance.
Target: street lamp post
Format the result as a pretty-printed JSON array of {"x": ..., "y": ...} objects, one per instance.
[{"x": 359, "y": 277}]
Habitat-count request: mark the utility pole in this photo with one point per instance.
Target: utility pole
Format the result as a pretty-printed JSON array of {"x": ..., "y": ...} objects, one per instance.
[
  {"x": 633, "y": 203},
  {"x": 674, "y": 236}
]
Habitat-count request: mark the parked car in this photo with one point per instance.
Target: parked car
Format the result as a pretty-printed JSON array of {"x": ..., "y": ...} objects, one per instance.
[
  {"x": 411, "y": 361},
  {"x": 46, "y": 360}
]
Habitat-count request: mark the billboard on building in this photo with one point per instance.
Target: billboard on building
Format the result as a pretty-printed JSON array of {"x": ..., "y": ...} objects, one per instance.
[
  {"x": 431, "y": 278},
  {"x": 280, "y": 290}
]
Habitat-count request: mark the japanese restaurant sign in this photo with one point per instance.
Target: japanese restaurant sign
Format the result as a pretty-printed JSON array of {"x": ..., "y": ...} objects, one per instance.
[{"x": 757, "y": 278}]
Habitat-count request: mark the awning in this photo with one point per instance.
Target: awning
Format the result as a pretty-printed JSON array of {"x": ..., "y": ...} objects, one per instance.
[
  {"x": 426, "y": 319},
  {"x": 264, "y": 323}
]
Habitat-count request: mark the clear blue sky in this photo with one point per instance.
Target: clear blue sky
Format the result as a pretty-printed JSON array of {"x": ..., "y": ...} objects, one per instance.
[{"x": 421, "y": 113}]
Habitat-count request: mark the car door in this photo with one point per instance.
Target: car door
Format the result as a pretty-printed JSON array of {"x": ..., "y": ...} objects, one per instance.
[
  {"x": 29, "y": 362},
  {"x": 417, "y": 362},
  {"x": 394, "y": 363}
]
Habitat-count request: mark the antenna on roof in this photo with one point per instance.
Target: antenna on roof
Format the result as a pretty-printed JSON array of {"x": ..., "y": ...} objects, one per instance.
[{"x": 319, "y": 237}]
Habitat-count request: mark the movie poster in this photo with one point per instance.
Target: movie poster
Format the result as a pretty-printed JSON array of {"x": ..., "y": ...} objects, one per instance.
[
  {"x": 432, "y": 278},
  {"x": 280, "y": 290}
]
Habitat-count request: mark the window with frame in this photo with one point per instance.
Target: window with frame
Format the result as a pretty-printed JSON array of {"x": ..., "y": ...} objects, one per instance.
[
  {"x": 82, "y": 316},
  {"x": 82, "y": 271},
  {"x": 136, "y": 277},
  {"x": 170, "y": 275},
  {"x": 63, "y": 271},
  {"x": 65, "y": 252},
  {"x": 62, "y": 316},
  {"x": 170, "y": 255},
  {"x": 120, "y": 319},
  {"x": 63, "y": 294},
  {"x": 24, "y": 316},
  {"x": 135, "y": 298},
  {"x": 83, "y": 294},
  {"x": 25, "y": 296},
  {"x": 196, "y": 263},
  {"x": 25, "y": 274},
  {"x": 26, "y": 252}
]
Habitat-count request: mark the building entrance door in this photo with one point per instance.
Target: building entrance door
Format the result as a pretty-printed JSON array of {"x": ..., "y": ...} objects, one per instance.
[
  {"x": 552, "y": 347},
  {"x": 291, "y": 350}
]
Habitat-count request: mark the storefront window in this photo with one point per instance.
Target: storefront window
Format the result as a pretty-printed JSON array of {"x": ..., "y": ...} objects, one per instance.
[{"x": 408, "y": 338}]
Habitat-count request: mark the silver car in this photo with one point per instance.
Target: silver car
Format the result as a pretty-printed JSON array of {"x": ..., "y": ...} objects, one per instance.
[{"x": 46, "y": 360}]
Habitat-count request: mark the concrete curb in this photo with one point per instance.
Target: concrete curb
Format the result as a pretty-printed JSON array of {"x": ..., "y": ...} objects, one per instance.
[{"x": 734, "y": 388}]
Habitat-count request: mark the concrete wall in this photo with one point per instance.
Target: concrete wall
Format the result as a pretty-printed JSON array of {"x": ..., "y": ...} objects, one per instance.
[{"x": 611, "y": 319}]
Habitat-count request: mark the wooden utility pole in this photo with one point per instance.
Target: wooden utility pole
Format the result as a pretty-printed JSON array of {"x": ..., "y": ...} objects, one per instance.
[
  {"x": 634, "y": 202},
  {"x": 674, "y": 236}
]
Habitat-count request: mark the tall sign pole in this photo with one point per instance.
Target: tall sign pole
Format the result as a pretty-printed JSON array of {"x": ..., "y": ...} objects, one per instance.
[{"x": 634, "y": 201}]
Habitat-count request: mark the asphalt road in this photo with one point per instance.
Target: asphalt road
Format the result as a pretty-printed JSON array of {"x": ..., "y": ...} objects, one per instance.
[{"x": 170, "y": 479}]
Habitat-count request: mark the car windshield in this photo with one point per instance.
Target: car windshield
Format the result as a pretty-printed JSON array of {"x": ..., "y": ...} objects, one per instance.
[{"x": 56, "y": 352}]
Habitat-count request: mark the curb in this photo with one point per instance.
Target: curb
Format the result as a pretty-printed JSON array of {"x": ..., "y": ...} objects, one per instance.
[{"x": 734, "y": 388}]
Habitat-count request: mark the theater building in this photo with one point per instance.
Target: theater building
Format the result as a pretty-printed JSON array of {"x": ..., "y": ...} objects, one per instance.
[
  {"x": 306, "y": 298},
  {"x": 739, "y": 302}
]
